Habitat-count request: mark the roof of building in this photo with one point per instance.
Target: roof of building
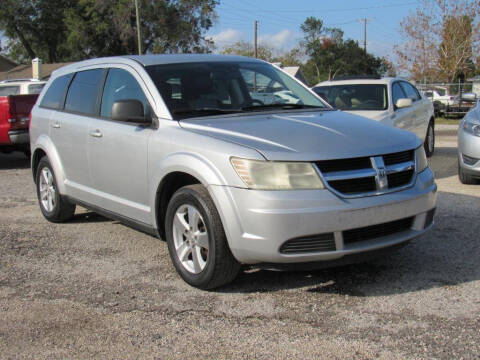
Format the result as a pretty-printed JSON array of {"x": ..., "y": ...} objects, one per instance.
[
  {"x": 25, "y": 71},
  {"x": 296, "y": 72},
  {"x": 6, "y": 63}
]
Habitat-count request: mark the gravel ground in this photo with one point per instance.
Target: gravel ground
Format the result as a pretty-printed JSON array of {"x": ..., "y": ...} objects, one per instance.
[{"x": 93, "y": 288}]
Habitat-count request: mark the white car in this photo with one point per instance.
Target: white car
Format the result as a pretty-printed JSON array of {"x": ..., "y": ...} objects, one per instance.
[
  {"x": 21, "y": 87},
  {"x": 391, "y": 101}
]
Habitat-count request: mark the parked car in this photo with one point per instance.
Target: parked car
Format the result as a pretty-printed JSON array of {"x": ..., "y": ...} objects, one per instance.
[
  {"x": 438, "y": 106},
  {"x": 175, "y": 145},
  {"x": 21, "y": 87},
  {"x": 440, "y": 94},
  {"x": 460, "y": 105},
  {"x": 14, "y": 121},
  {"x": 391, "y": 101},
  {"x": 469, "y": 147}
]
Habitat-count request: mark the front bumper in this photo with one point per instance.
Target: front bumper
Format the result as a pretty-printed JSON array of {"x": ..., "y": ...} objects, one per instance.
[
  {"x": 257, "y": 223},
  {"x": 469, "y": 146}
]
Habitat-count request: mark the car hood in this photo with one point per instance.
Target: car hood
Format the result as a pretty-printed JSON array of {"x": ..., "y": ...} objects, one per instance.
[{"x": 305, "y": 136}]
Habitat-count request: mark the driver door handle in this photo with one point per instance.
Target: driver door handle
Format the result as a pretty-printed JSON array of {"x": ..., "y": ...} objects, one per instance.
[
  {"x": 96, "y": 133},
  {"x": 56, "y": 125}
]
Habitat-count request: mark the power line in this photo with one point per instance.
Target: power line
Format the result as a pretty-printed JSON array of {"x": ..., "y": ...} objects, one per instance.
[{"x": 337, "y": 10}]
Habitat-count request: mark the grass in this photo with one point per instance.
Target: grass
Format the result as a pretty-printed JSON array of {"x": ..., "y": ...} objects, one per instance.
[{"x": 447, "y": 121}]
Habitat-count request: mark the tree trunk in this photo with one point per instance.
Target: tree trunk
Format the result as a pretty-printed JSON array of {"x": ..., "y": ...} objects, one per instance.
[{"x": 25, "y": 43}]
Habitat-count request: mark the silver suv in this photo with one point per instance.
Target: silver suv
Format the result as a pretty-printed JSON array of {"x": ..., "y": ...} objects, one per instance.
[{"x": 209, "y": 153}]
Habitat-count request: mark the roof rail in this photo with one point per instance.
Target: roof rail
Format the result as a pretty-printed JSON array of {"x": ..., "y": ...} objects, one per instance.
[
  {"x": 356, "y": 77},
  {"x": 18, "y": 80}
]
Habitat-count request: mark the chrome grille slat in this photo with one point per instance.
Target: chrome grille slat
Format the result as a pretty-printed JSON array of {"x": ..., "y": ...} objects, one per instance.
[{"x": 369, "y": 175}]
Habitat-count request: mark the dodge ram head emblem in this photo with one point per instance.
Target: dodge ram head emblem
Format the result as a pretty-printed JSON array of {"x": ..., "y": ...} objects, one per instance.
[{"x": 381, "y": 178}]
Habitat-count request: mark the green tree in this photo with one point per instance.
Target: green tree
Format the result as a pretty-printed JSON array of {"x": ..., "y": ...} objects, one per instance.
[
  {"x": 106, "y": 27},
  {"x": 35, "y": 28},
  {"x": 329, "y": 55},
  {"x": 244, "y": 48},
  {"x": 65, "y": 30}
]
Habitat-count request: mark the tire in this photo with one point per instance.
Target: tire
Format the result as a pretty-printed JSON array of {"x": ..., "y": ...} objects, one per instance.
[
  {"x": 464, "y": 177},
  {"x": 58, "y": 209},
  {"x": 207, "y": 261},
  {"x": 429, "y": 143}
]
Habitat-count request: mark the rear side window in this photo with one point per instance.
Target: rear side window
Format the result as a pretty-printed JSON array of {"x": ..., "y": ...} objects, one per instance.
[
  {"x": 82, "y": 93},
  {"x": 55, "y": 95},
  {"x": 121, "y": 85},
  {"x": 35, "y": 88},
  {"x": 9, "y": 90}
]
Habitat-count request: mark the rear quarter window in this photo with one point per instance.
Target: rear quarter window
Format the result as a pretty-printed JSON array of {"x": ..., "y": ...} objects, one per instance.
[{"x": 55, "y": 94}]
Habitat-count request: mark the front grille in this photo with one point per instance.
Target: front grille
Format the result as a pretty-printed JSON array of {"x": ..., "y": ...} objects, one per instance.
[
  {"x": 400, "y": 178},
  {"x": 376, "y": 231},
  {"x": 361, "y": 185},
  {"x": 369, "y": 175},
  {"x": 344, "y": 164},
  {"x": 314, "y": 243},
  {"x": 397, "y": 158}
]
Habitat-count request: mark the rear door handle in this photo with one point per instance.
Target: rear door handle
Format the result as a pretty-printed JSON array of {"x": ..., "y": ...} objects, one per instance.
[
  {"x": 56, "y": 125},
  {"x": 96, "y": 133}
]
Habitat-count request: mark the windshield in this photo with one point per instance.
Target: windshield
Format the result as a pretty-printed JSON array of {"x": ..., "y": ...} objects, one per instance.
[
  {"x": 9, "y": 90},
  {"x": 201, "y": 89},
  {"x": 355, "y": 97}
]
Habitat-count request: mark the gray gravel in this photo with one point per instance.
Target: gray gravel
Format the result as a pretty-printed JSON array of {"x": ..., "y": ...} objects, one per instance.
[{"x": 93, "y": 288}]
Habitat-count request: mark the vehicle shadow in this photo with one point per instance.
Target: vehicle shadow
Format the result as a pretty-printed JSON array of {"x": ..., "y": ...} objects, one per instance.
[
  {"x": 444, "y": 162},
  {"x": 14, "y": 160},
  {"x": 88, "y": 217},
  {"x": 446, "y": 256}
]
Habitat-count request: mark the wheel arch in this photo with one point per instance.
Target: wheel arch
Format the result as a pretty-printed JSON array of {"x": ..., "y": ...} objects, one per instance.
[
  {"x": 176, "y": 171},
  {"x": 45, "y": 147}
]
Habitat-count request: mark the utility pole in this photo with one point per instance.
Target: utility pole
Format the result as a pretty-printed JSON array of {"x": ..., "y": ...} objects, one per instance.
[
  {"x": 256, "y": 45},
  {"x": 138, "y": 29},
  {"x": 256, "y": 55},
  {"x": 364, "y": 20}
]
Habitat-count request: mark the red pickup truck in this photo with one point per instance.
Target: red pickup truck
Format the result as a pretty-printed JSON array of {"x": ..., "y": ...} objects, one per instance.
[{"x": 14, "y": 121}]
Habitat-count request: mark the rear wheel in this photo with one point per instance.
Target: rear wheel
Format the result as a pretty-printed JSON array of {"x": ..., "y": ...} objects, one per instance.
[
  {"x": 429, "y": 144},
  {"x": 53, "y": 205},
  {"x": 464, "y": 177},
  {"x": 196, "y": 240}
]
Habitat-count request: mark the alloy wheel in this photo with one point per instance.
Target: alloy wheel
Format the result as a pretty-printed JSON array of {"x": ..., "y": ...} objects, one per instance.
[
  {"x": 190, "y": 238},
  {"x": 47, "y": 190}
]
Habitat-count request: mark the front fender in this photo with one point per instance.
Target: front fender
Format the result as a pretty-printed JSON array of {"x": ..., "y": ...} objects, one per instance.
[
  {"x": 193, "y": 164},
  {"x": 44, "y": 143}
]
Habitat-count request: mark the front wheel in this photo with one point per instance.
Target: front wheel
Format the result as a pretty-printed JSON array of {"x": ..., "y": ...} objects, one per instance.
[
  {"x": 429, "y": 144},
  {"x": 54, "y": 206},
  {"x": 196, "y": 240}
]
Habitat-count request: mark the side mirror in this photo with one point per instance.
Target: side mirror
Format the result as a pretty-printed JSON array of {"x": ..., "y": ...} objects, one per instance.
[
  {"x": 403, "y": 103},
  {"x": 129, "y": 110}
]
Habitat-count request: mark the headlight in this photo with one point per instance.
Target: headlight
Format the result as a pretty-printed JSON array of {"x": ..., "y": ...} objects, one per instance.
[
  {"x": 273, "y": 175},
  {"x": 422, "y": 162},
  {"x": 471, "y": 126}
]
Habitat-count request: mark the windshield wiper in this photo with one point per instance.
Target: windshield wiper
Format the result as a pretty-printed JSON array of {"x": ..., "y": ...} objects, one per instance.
[{"x": 281, "y": 106}]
